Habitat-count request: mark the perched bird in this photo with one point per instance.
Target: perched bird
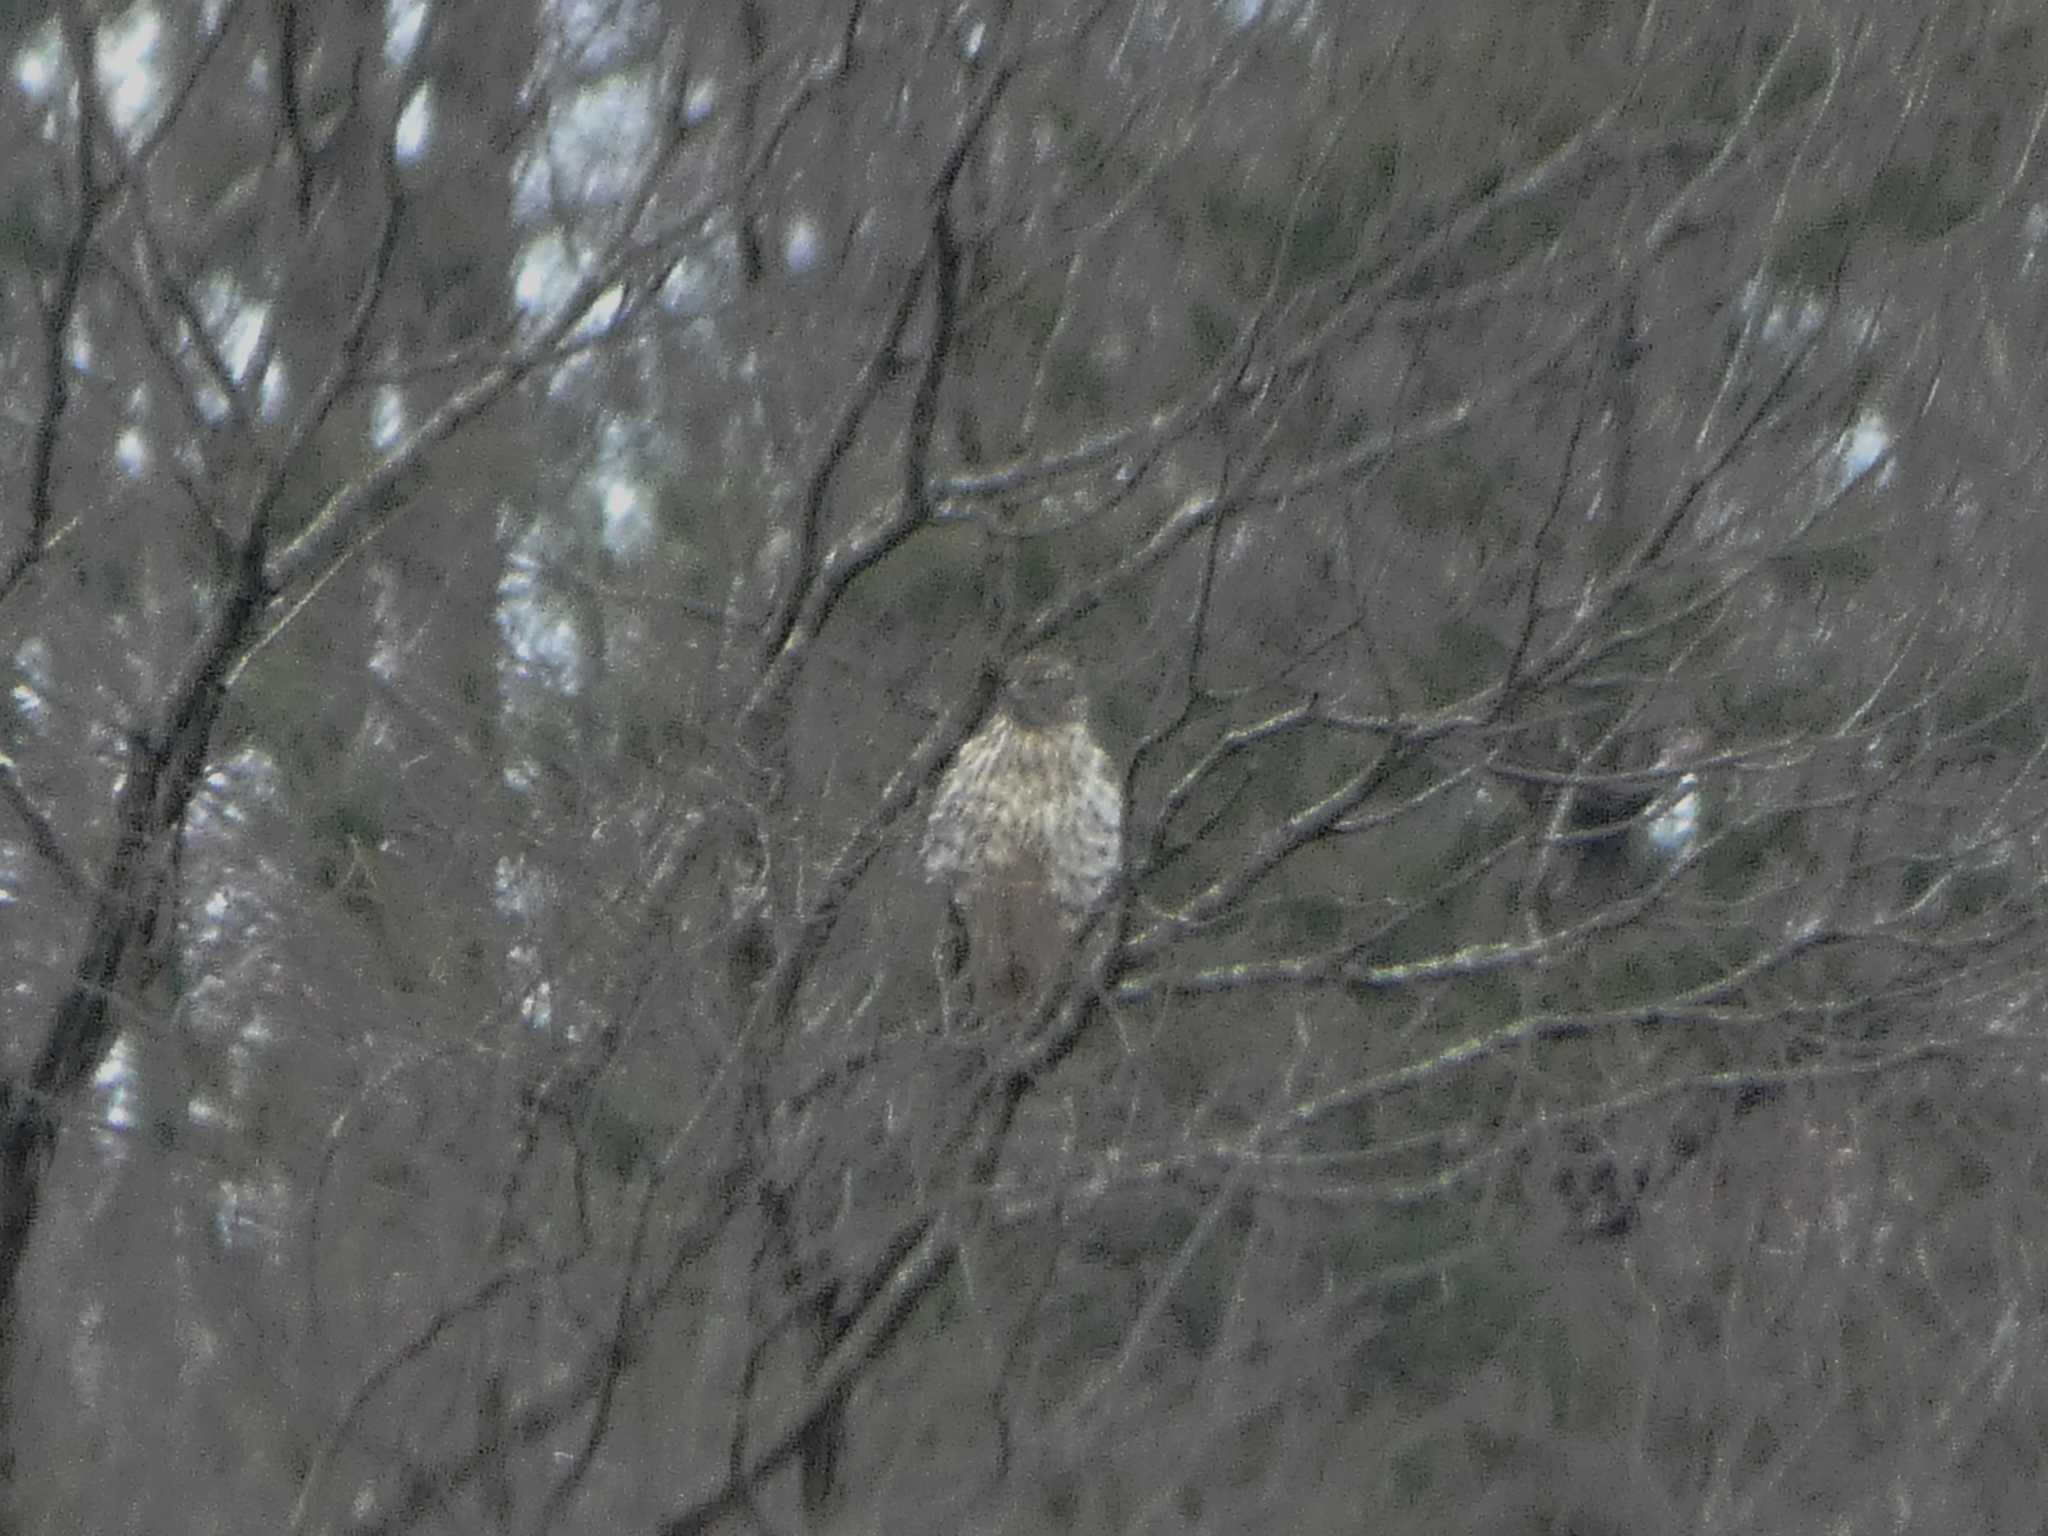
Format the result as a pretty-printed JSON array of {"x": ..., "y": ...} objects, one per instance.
[{"x": 1027, "y": 832}]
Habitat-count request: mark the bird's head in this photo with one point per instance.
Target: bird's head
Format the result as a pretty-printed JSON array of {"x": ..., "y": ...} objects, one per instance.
[{"x": 1042, "y": 690}]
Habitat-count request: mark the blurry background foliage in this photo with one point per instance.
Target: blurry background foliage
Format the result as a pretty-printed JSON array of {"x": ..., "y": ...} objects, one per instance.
[{"x": 515, "y": 504}]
